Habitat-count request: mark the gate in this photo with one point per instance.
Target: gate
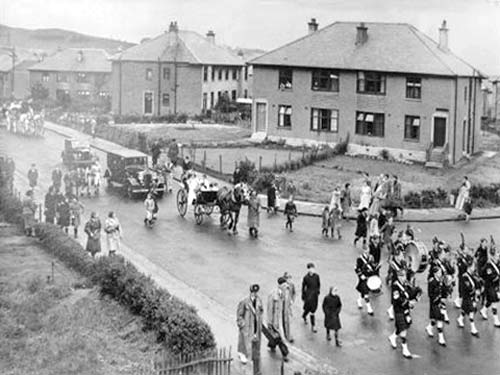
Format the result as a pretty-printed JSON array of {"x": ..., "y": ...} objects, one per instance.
[{"x": 211, "y": 362}]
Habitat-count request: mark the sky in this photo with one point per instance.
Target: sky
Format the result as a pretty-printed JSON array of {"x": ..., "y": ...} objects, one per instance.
[{"x": 266, "y": 24}]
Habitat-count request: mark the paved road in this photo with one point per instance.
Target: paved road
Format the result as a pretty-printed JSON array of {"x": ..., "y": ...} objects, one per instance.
[{"x": 222, "y": 267}]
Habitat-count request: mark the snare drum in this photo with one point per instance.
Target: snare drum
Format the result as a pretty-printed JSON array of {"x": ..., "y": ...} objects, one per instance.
[
  {"x": 374, "y": 283},
  {"x": 417, "y": 256}
]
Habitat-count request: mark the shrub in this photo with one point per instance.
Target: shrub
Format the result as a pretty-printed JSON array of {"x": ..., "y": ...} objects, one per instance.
[
  {"x": 263, "y": 181},
  {"x": 248, "y": 172},
  {"x": 384, "y": 154},
  {"x": 175, "y": 322},
  {"x": 412, "y": 200}
]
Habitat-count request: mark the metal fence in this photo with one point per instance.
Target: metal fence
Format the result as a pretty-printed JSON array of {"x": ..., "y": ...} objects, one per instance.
[{"x": 212, "y": 362}]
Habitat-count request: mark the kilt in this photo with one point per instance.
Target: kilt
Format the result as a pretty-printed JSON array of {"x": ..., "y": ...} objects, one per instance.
[
  {"x": 491, "y": 294},
  {"x": 435, "y": 312},
  {"x": 401, "y": 323},
  {"x": 362, "y": 287},
  {"x": 468, "y": 305}
]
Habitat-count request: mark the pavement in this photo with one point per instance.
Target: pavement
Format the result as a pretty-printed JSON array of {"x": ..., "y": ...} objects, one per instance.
[
  {"x": 212, "y": 270},
  {"x": 312, "y": 208}
]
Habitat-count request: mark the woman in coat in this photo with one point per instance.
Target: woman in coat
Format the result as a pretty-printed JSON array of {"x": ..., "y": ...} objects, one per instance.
[
  {"x": 332, "y": 305},
  {"x": 365, "y": 196},
  {"x": 113, "y": 233},
  {"x": 93, "y": 231},
  {"x": 463, "y": 194},
  {"x": 253, "y": 219}
]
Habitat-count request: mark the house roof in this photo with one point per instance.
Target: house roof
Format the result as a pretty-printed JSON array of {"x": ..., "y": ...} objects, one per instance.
[
  {"x": 24, "y": 59},
  {"x": 94, "y": 60},
  {"x": 391, "y": 47},
  {"x": 181, "y": 46}
]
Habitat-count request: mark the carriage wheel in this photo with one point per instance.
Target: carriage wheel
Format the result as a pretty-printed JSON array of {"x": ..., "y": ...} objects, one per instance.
[
  {"x": 209, "y": 210},
  {"x": 224, "y": 219},
  {"x": 198, "y": 214},
  {"x": 182, "y": 202}
]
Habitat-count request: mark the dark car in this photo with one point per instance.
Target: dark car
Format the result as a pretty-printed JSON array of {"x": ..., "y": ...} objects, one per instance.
[
  {"x": 128, "y": 171},
  {"x": 77, "y": 155}
]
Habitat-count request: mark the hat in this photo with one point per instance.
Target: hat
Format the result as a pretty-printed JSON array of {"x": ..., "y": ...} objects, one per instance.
[
  {"x": 93, "y": 214},
  {"x": 281, "y": 280},
  {"x": 254, "y": 288},
  {"x": 310, "y": 265},
  {"x": 287, "y": 275}
]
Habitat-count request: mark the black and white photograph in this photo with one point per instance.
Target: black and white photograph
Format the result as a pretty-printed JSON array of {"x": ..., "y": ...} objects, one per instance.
[{"x": 249, "y": 187}]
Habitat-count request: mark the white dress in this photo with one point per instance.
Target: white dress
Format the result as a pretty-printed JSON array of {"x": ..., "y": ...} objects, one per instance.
[
  {"x": 112, "y": 229},
  {"x": 365, "y": 197}
]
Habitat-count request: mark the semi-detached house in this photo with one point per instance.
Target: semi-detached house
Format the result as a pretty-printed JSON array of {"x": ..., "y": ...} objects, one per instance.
[
  {"x": 179, "y": 71},
  {"x": 385, "y": 85}
]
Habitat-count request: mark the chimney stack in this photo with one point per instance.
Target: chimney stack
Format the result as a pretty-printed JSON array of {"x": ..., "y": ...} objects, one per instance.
[
  {"x": 211, "y": 36},
  {"x": 173, "y": 27},
  {"x": 361, "y": 34},
  {"x": 443, "y": 37},
  {"x": 312, "y": 26}
]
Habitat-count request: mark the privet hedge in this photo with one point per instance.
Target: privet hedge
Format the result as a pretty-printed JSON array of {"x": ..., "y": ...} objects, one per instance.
[{"x": 176, "y": 323}]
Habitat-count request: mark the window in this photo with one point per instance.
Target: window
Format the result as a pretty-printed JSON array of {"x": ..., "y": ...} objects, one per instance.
[
  {"x": 412, "y": 128},
  {"x": 413, "y": 88},
  {"x": 324, "y": 120},
  {"x": 235, "y": 74},
  {"x": 211, "y": 100},
  {"x": 246, "y": 73},
  {"x": 45, "y": 77},
  {"x": 371, "y": 124},
  {"x": 465, "y": 94},
  {"x": 218, "y": 95},
  {"x": 166, "y": 74},
  {"x": 61, "y": 77},
  {"x": 233, "y": 95},
  {"x": 81, "y": 77},
  {"x": 149, "y": 74},
  {"x": 371, "y": 83},
  {"x": 84, "y": 94},
  {"x": 165, "y": 100},
  {"x": 285, "y": 79},
  {"x": 213, "y": 73},
  {"x": 246, "y": 93},
  {"x": 103, "y": 94},
  {"x": 205, "y": 73},
  {"x": 204, "y": 103},
  {"x": 220, "y": 74},
  {"x": 285, "y": 116},
  {"x": 325, "y": 80},
  {"x": 227, "y": 74}
]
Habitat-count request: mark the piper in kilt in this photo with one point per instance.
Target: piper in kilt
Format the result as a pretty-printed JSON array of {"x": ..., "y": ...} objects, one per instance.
[
  {"x": 435, "y": 290},
  {"x": 470, "y": 294},
  {"x": 491, "y": 286}
]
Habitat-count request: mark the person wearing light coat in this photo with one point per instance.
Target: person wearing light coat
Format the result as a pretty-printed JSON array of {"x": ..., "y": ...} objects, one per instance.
[{"x": 113, "y": 233}]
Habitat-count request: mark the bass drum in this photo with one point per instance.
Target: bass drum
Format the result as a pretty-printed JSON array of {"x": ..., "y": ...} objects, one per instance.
[{"x": 417, "y": 256}]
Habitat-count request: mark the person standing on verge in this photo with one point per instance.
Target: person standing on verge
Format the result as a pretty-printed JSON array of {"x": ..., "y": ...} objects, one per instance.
[
  {"x": 332, "y": 305},
  {"x": 113, "y": 233},
  {"x": 29, "y": 210},
  {"x": 33, "y": 176},
  {"x": 289, "y": 295},
  {"x": 253, "y": 214},
  {"x": 271, "y": 198},
  {"x": 463, "y": 193},
  {"x": 345, "y": 200},
  {"x": 310, "y": 293},
  {"x": 290, "y": 213},
  {"x": 249, "y": 320},
  {"x": 93, "y": 231}
]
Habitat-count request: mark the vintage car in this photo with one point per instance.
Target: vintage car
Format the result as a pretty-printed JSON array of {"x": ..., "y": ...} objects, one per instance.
[
  {"x": 77, "y": 154},
  {"x": 128, "y": 171}
]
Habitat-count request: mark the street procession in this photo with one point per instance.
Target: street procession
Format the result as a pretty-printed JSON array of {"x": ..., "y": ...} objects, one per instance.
[{"x": 317, "y": 196}]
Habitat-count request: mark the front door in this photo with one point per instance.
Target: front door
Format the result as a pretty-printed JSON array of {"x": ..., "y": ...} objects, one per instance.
[
  {"x": 261, "y": 117},
  {"x": 439, "y": 131},
  {"x": 148, "y": 103}
]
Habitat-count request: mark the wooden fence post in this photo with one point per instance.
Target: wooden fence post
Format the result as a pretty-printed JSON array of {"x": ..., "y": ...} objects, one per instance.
[
  {"x": 260, "y": 163},
  {"x": 220, "y": 163},
  {"x": 204, "y": 159}
]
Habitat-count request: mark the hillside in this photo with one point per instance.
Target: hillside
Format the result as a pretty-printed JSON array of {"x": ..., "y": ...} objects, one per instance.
[{"x": 52, "y": 39}]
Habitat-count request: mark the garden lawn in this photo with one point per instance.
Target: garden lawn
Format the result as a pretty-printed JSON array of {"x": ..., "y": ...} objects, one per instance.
[
  {"x": 230, "y": 156},
  {"x": 186, "y": 133},
  {"x": 316, "y": 182},
  {"x": 58, "y": 327}
]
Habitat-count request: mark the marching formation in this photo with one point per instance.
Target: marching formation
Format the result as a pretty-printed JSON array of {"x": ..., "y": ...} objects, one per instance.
[{"x": 21, "y": 119}]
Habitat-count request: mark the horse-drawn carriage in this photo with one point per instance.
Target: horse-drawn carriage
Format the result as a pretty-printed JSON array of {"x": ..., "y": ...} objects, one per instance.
[{"x": 206, "y": 198}]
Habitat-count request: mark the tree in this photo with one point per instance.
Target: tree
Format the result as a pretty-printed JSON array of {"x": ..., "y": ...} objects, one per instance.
[{"x": 39, "y": 91}]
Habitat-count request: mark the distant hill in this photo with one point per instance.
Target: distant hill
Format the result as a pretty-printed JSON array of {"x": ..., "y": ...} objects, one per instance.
[{"x": 52, "y": 39}]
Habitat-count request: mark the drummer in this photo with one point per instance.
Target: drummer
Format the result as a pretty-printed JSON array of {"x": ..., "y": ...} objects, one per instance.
[
  {"x": 365, "y": 267},
  {"x": 375, "y": 249}
]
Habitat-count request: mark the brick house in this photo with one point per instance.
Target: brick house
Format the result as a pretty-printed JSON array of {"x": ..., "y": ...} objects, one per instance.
[
  {"x": 386, "y": 85},
  {"x": 179, "y": 71},
  {"x": 75, "y": 73}
]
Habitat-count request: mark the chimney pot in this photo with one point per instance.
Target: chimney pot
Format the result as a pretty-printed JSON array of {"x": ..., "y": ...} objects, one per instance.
[
  {"x": 211, "y": 36},
  {"x": 443, "y": 37},
  {"x": 361, "y": 34},
  {"x": 173, "y": 27},
  {"x": 312, "y": 26}
]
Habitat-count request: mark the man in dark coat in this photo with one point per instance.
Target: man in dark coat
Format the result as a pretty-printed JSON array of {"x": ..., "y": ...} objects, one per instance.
[
  {"x": 310, "y": 293},
  {"x": 50, "y": 204},
  {"x": 57, "y": 178},
  {"x": 33, "y": 176},
  {"x": 271, "y": 198},
  {"x": 93, "y": 231},
  {"x": 332, "y": 305},
  {"x": 361, "y": 227}
]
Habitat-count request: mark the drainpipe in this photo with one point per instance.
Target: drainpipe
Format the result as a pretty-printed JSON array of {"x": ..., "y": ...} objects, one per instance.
[
  {"x": 453, "y": 158},
  {"x": 159, "y": 87}
]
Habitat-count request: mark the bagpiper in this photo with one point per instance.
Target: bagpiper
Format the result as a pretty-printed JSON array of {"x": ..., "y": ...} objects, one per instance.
[
  {"x": 491, "y": 286},
  {"x": 436, "y": 291},
  {"x": 439, "y": 260},
  {"x": 470, "y": 294},
  {"x": 397, "y": 264}
]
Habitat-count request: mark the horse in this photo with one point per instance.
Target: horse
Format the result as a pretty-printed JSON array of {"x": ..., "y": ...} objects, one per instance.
[{"x": 230, "y": 202}]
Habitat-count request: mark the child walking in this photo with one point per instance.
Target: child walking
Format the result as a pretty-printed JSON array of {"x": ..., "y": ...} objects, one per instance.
[{"x": 334, "y": 221}]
